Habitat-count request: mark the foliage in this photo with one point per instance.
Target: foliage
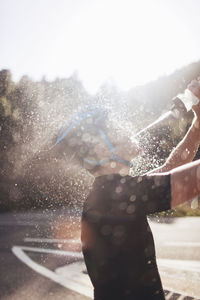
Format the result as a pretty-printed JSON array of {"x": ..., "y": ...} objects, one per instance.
[{"x": 32, "y": 113}]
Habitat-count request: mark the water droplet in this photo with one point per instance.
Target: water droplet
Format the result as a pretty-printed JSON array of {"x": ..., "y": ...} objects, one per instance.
[
  {"x": 113, "y": 165},
  {"x": 118, "y": 189},
  {"x": 130, "y": 209},
  {"x": 123, "y": 172},
  {"x": 185, "y": 154},
  {"x": 139, "y": 179},
  {"x": 123, "y": 180},
  {"x": 132, "y": 198}
]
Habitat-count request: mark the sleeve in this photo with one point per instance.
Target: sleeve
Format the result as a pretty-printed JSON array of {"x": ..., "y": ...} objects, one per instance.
[
  {"x": 127, "y": 197},
  {"x": 154, "y": 193}
]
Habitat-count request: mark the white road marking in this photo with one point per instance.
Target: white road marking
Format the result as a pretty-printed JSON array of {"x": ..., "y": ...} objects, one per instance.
[
  {"x": 67, "y": 282},
  {"x": 183, "y": 244},
  {"x": 75, "y": 271},
  {"x": 168, "y": 296},
  {"x": 52, "y": 251},
  {"x": 49, "y": 240},
  {"x": 71, "y": 276},
  {"x": 187, "y": 265},
  {"x": 21, "y": 223},
  {"x": 74, "y": 241}
]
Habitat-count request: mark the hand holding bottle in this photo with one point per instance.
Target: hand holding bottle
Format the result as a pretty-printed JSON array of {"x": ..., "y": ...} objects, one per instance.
[
  {"x": 194, "y": 87},
  {"x": 191, "y": 96}
]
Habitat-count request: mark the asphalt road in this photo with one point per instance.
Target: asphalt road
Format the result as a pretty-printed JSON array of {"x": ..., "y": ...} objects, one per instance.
[{"x": 40, "y": 257}]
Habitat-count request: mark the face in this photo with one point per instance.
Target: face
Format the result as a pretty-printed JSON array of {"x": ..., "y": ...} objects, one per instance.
[{"x": 125, "y": 148}]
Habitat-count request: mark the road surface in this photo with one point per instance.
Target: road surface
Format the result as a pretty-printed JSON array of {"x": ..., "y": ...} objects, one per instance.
[{"x": 40, "y": 257}]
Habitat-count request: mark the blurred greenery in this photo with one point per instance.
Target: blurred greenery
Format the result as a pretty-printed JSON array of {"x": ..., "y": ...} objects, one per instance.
[
  {"x": 32, "y": 175},
  {"x": 184, "y": 210}
]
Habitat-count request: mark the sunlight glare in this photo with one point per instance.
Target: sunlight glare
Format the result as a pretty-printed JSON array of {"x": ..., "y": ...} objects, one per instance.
[{"x": 129, "y": 41}]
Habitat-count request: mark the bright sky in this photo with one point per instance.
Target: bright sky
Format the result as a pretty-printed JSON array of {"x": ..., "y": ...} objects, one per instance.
[{"x": 130, "y": 41}]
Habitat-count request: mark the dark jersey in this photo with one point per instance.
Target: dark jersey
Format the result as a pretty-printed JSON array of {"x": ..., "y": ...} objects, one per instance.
[{"x": 118, "y": 245}]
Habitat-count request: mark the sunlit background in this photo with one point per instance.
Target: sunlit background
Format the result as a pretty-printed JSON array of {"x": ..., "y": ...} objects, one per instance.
[
  {"x": 129, "y": 58},
  {"x": 126, "y": 41}
]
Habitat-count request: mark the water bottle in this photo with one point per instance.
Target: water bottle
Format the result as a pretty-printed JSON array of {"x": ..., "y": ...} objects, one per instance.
[{"x": 188, "y": 99}]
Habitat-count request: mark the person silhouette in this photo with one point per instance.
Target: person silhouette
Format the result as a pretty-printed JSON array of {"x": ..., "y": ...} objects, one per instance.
[{"x": 117, "y": 241}]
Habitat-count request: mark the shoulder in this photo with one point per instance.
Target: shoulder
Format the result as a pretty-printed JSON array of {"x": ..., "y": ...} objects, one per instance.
[
  {"x": 128, "y": 183},
  {"x": 110, "y": 189}
]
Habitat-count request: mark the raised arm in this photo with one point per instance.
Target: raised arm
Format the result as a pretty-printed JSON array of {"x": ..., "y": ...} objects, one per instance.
[
  {"x": 187, "y": 148},
  {"x": 185, "y": 183}
]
